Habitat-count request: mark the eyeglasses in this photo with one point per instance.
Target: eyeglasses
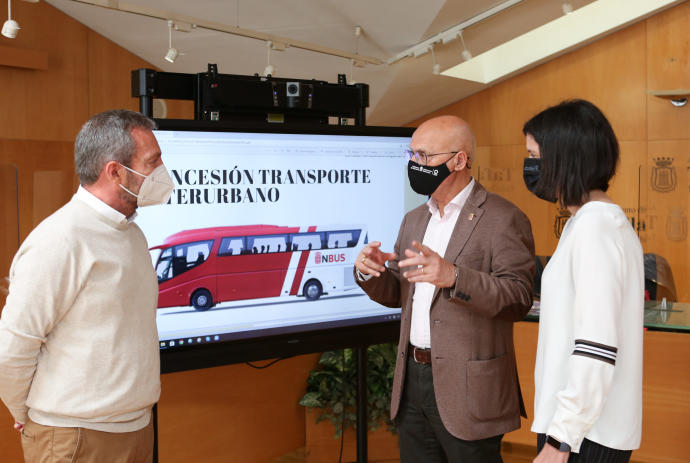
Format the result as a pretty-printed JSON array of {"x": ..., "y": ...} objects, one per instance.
[{"x": 421, "y": 157}]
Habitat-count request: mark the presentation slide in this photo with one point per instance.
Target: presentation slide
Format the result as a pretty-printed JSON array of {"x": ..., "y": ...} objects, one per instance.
[{"x": 262, "y": 230}]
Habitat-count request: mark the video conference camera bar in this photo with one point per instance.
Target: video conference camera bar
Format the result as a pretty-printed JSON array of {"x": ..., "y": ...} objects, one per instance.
[{"x": 230, "y": 97}]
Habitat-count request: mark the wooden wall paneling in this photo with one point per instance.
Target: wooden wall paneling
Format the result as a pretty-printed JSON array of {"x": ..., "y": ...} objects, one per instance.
[
  {"x": 29, "y": 157},
  {"x": 23, "y": 58},
  {"x": 10, "y": 443},
  {"x": 668, "y": 48},
  {"x": 52, "y": 189},
  {"x": 665, "y": 400},
  {"x": 668, "y": 58},
  {"x": 233, "y": 413},
  {"x": 180, "y": 109},
  {"x": 50, "y": 104},
  {"x": 9, "y": 223},
  {"x": 9, "y": 216},
  {"x": 525, "y": 339},
  {"x": 110, "y": 83},
  {"x": 664, "y": 120},
  {"x": 473, "y": 109}
]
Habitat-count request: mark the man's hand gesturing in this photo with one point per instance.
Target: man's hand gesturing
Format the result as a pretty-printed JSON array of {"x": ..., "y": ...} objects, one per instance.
[
  {"x": 427, "y": 266},
  {"x": 371, "y": 261}
]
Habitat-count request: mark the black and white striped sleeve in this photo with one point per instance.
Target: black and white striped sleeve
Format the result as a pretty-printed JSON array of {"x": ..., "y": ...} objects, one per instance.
[{"x": 596, "y": 351}]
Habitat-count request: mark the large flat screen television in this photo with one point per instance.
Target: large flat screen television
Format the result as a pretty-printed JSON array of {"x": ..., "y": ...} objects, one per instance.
[{"x": 254, "y": 252}]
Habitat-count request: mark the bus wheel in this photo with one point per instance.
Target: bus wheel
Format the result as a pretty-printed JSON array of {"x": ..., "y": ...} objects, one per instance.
[
  {"x": 312, "y": 290},
  {"x": 202, "y": 300}
]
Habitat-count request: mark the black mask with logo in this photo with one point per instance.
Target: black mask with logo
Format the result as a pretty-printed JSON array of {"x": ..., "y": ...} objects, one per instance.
[
  {"x": 425, "y": 179},
  {"x": 531, "y": 173}
]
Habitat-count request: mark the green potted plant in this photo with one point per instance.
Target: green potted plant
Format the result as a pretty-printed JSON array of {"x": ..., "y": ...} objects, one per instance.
[{"x": 331, "y": 396}]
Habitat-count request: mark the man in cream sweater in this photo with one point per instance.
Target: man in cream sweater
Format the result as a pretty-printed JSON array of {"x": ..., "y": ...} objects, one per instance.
[{"x": 79, "y": 358}]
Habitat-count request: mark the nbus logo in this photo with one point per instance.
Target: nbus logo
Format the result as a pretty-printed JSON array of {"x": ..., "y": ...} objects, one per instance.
[{"x": 328, "y": 258}]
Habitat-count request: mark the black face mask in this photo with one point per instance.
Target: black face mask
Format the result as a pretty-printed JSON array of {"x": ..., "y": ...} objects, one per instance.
[
  {"x": 531, "y": 173},
  {"x": 425, "y": 179}
]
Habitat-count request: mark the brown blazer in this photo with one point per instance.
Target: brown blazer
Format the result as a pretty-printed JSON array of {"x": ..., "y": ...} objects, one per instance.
[{"x": 473, "y": 357}]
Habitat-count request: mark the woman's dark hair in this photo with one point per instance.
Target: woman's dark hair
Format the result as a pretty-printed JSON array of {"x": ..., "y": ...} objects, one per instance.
[{"x": 578, "y": 148}]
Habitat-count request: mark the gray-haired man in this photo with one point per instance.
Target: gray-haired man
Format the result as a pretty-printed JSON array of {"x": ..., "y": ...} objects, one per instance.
[{"x": 79, "y": 363}]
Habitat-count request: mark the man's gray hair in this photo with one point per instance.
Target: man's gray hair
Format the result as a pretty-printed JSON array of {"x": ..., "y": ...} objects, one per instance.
[{"x": 106, "y": 137}]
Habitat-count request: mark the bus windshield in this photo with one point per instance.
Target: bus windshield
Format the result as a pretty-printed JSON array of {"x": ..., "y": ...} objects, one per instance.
[{"x": 176, "y": 260}]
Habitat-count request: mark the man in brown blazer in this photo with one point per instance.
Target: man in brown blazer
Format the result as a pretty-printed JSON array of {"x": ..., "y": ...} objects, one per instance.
[{"x": 461, "y": 270}]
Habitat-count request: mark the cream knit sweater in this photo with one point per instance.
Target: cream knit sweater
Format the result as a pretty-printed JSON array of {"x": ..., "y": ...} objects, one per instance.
[{"x": 78, "y": 338}]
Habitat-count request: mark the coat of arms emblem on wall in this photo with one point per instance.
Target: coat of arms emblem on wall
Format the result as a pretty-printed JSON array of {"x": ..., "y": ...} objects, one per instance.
[
  {"x": 677, "y": 225},
  {"x": 664, "y": 177}
]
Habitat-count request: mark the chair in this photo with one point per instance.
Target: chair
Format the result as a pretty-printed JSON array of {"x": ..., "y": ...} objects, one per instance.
[{"x": 658, "y": 278}]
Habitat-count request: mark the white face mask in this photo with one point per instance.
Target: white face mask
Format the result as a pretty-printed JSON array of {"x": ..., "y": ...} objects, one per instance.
[{"x": 156, "y": 188}]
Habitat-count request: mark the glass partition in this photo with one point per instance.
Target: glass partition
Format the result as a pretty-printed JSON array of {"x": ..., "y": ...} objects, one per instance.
[{"x": 665, "y": 190}]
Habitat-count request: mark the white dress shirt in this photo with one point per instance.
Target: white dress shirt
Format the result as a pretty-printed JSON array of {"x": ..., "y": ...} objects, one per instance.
[
  {"x": 102, "y": 208},
  {"x": 436, "y": 237}
]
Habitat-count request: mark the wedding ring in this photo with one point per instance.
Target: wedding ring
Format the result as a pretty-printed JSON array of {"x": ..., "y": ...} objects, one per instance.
[{"x": 363, "y": 259}]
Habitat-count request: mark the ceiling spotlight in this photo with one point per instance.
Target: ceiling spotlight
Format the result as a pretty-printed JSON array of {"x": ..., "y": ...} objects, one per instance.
[
  {"x": 10, "y": 28},
  {"x": 355, "y": 62},
  {"x": 172, "y": 53},
  {"x": 269, "y": 70},
  {"x": 567, "y": 7},
  {"x": 436, "y": 68},
  {"x": 466, "y": 55}
]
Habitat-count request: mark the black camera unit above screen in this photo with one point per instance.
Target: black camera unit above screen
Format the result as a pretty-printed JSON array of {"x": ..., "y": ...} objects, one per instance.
[{"x": 230, "y": 97}]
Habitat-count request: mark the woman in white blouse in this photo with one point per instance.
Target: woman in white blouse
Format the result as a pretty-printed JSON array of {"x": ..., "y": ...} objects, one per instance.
[{"x": 588, "y": 374}]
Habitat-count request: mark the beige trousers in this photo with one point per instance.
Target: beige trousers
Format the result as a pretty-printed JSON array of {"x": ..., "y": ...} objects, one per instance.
[{"x": 48, "y": 444}]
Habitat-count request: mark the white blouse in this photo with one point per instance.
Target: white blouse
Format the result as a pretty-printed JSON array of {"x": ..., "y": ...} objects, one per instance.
[{"x": 588, "y": 373}]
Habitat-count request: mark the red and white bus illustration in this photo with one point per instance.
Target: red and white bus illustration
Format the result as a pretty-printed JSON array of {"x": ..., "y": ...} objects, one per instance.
[{"x": 206, "y": 266}]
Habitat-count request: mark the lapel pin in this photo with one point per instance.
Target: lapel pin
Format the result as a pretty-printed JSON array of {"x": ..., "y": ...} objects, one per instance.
[{"x": 471, "y": 216}]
